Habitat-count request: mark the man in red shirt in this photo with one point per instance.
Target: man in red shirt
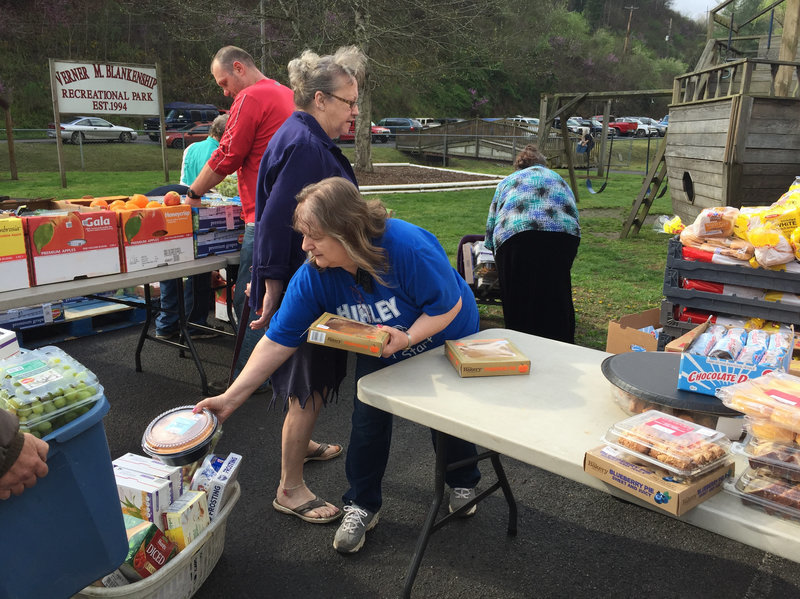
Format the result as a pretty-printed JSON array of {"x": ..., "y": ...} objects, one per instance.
[{"x": 260, "y": 105}]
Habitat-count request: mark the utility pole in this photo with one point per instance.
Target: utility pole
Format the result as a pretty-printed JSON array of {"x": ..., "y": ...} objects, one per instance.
[
  {"x": 263, "y": 37},
  {"x": 628, "y": 32}
]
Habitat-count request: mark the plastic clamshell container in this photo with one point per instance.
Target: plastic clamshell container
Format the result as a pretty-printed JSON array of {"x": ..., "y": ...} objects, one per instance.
[
  {"x": 178, "y": 436},
  {"x": 774, "y": 397},
  {"x": 46, "y": 389},
  {"x": 781, "y": 460},
  {"x": 66, "y": 531},
  {"x": 679, "y": 446},
  {"x": 759, "y": 488}
]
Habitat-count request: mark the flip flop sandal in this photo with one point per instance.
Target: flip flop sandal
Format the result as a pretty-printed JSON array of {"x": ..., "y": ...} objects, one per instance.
[
  {"x": 319, "y": 454},
  {"x": 303, "y": 509}
]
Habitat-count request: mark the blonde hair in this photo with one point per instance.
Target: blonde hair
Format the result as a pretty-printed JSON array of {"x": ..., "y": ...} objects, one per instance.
[
  {"x": 312, "y": 73},
  {"x": 334, "y": 207}
]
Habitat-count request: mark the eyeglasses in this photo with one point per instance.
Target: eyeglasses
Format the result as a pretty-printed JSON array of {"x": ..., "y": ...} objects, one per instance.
[{"x": 350, "y": 103}]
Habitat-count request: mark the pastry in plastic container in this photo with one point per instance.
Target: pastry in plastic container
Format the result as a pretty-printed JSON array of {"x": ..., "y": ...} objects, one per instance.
[
  {"x": 682, "y": 447},
  {"x": 758, "y": 487},
  {"x": 178, "y": 436},
  {"x": 780, "y": 459},
  {"x": 774, "y": 397},
  {"x": 633, "y": 404}
]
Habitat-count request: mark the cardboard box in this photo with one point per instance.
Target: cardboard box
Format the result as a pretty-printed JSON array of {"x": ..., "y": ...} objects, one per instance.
[
  {"x": 145, "y": 465},
  {"x": 351, "y": 335},
  {"x": 9, "y": 345},
  {"x": 148, "y": 549},
  {"x": 703, "y": 374},
  {"x": 156, "y": 236},
  {"x": 682, "y": 342},
  {"x": 186, "y": 518},
  {"x": 220, "y": 215},
  {"x": 624, "y": 334},
  {"x": 486, "y": 357},
  {"x": 653, "y": 485},
  {"x": 13, "y": 255},
  {"x": 220, "y": 488},
  {"x": 221, "y": 304},
  {"x": 141, "y": 495},
  {"x": 69, "y": 245},
  {"x": 217, "y": 242},
  {"x": 87, "y": 201},
  {"x": 32, "y": 316}
]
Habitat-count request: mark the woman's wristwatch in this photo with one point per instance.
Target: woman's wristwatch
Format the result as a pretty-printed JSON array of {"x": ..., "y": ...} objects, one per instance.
[{"x": 192, "y": 195}]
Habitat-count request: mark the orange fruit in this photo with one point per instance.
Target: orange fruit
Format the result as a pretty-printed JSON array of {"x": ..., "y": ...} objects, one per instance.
[
  {"x": 153, "y": 204},
  {"x": 133, "y": 205},
  {"x": 139, "y": 199},
  {"x": 117, "y": 205},
  {"x": 99, "y": 204}
]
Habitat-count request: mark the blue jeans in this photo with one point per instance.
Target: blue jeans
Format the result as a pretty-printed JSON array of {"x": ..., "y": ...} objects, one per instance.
[
  {"x": 251, "y": 338},
  {"x": 368, "y": 452},
  {"x": 196, "y": 301}
]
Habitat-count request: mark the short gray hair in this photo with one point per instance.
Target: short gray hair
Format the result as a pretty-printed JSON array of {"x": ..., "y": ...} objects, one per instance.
[
  {"x": 218, "y": 126},
  {"x": 311, "y": 73},
  {"x": 227, "y": 55}
]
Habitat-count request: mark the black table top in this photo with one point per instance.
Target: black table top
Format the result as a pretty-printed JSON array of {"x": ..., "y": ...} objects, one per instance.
[{"x": 653, "y": 376}]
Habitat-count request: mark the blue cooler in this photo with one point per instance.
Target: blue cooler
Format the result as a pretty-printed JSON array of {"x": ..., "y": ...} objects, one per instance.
[{"x": 67, "y": 531}]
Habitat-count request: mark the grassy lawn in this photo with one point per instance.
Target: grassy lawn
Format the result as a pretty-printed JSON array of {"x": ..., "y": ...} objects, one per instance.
[{"x": 611, "y": 277}]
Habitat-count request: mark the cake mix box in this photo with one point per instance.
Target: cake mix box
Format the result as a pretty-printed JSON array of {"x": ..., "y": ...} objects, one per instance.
[
  {"x": 654, "y": 485},
  {"x": 186, "y": 518},
  {"x": 351, "y": 335},
  {"x": 67, "y": 245},
  {"x": 154, "y": 237},
  {"x": 13, "y": 255},
  {"x": 708, "y": 363},
  {"x": 486, "y": 357},
  {"x": 142, "y": 496},
  {"x": 138, "y": 463}
]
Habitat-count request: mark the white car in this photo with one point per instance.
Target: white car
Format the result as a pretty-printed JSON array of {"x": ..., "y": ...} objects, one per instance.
[
  {"x": 642, "y": 129},
  {"x": 91, "y": 128}
]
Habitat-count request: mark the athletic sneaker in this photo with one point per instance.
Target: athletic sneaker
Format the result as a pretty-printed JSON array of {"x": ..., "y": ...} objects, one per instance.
[
  {"x": 353, "y": 529},
  {"x": 167, "y": 336},
  {"x": 460, "y": 497}
]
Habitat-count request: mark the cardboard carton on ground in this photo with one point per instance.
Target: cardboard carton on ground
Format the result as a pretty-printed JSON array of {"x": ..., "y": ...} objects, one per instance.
[
  {"x": 351, "y": 335},
  {"x": 624, "y": 334},
  {"x": 32, "y": 316},
  {"x": 486, "y": 357},
  {"x": 13, "y": 255},
  {"x": 651, "y": 484},
  {"x": 216, "y": 242},
  {"x": 154, "y": 237},
  {"x": 704, "y": 374},
  {"x": 72, "y": 244}
]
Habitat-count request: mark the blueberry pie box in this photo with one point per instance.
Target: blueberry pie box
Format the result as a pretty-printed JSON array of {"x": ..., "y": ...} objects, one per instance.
[
  {"x": 652, "y": 484},
  {"x": 350, "y": 335}
]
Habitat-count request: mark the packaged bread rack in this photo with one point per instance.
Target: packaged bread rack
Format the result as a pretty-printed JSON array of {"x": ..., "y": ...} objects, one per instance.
[{"x": 184, "y": 574}]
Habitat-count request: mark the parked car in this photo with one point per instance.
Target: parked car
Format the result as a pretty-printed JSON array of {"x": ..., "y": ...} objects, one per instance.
[
  {"x": 379, "y": 134},
  {"x": 661, "y": 129},
  {"x": 427, "y": 122},
  {"x": 182, "y": 138},
  {"x": 531, "y": 122},
  {"x": 400, "y": 125},
  {"x": 642, "y": 129},
  {"x": 664, "y": 122},
  {"x": 447, "y": 120},
  {"x": 575, "y": 125},
  {"x": 179, "y": 115},
  {"x": 91, "y": 128}
]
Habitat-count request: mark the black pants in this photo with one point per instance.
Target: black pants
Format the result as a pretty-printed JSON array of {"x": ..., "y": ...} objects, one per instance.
[{"x": 535, "y": 283}]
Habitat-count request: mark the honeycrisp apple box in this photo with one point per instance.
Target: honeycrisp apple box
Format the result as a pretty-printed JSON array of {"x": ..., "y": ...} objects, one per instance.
[
  {"x": 13, "y": 255},
  {"x": 67, "y": 245},
  {"x": 156, "y": 236},
  {"x": 704, "y": 374}
]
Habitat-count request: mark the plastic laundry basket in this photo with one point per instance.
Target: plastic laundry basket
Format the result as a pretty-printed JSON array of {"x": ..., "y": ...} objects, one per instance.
[{"x": 182, "y": 576}]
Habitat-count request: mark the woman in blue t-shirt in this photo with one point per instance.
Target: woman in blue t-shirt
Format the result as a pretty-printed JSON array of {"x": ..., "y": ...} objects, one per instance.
[{"x": 365, "y": 266}]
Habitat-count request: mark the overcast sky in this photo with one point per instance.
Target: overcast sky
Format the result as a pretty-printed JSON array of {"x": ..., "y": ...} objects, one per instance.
[{"x": 693, "y": 8}]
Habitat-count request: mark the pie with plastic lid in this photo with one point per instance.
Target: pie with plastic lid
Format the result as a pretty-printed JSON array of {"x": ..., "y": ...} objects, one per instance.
[{"x": 179, "y": 430}]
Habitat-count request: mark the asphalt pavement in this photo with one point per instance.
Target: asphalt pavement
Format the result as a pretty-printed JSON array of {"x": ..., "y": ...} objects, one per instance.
[{"x": 572, "y": 541}]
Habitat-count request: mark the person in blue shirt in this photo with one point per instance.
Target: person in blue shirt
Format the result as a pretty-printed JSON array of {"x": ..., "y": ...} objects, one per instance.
[
  {"x": 368, "y": 267},
  {"x": 197, "y": 290}
]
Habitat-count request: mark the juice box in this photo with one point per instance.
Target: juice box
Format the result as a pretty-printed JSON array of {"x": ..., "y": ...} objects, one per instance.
[{"x": 145, "y": 465}]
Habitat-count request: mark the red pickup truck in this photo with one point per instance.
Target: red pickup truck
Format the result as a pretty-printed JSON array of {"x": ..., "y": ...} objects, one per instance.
[{"x": 618, "y": 127}]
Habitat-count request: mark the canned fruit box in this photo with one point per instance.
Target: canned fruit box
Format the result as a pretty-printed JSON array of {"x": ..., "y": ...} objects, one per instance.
[
  {"x": 148, "y": 549},
  {"x": 155, "y": 236},
  {"x": 486, "y": 357},
  {"x": 142, "y": 496},
  {"x": 46, "y": 389},
  {"x": 217, "y": 215},
  {"x": 217, "y": 242},
  {"x": 652, "y": 484},
  {"x": 138, "y": 463},
  {"x": 351, "y": 335},
  {"x": 13, "y": 255},
  {"x": 186, "y": 518},
  {"x": 68, "y": 245}
]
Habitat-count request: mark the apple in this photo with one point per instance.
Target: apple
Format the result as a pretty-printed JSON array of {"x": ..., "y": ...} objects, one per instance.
[{"x": 172, "y": 198}]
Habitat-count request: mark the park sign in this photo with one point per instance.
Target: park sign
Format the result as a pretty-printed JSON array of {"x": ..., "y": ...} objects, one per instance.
[{"x": 85, "y": 87}]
